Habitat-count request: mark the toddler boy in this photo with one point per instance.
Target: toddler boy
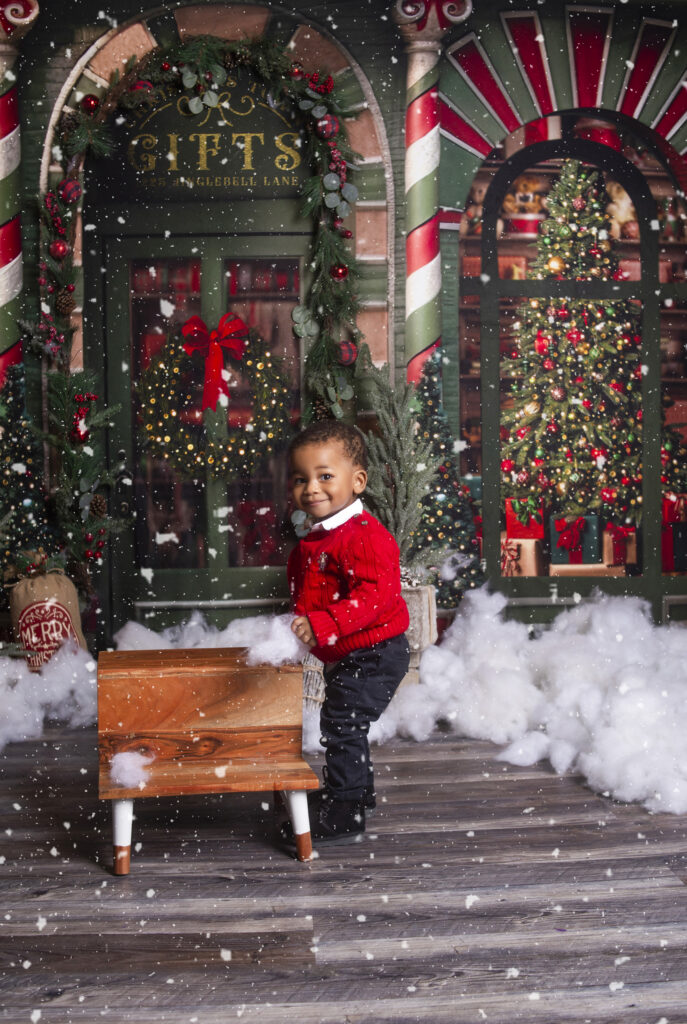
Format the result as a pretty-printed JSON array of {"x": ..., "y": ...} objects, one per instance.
[{"x": 345, "y": 583}]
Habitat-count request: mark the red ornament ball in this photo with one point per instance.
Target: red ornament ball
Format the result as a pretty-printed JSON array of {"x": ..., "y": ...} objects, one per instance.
[
  {"x": 523, "y": 477},
  {"x": 348, "y": 352},
  {"x": 327, "y": 127},
  {"x": 574, "y": 336},
  {"x": 89, "y": 103},
  {"x": 558, "y": 393},
  {"x": 548, "y": 364},
  {"x": 542, "y": 343},
  {"x": 165, "y": 65},
  {"x": 69, "y": 190},
  {"x": 58, "y": 249},
  {"x": 338, "y": 272},
  {"x": 579, "y": 203},
  {"x": 507, "y": 465}
]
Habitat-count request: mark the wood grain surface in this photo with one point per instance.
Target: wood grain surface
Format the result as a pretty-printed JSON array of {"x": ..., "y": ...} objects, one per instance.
[
  {"x": 479, "y": 892},
  {"x": 207, "y": 722}
]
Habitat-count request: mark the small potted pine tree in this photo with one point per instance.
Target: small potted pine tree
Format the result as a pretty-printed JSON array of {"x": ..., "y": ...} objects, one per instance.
[{"x": 401, "y": 467}]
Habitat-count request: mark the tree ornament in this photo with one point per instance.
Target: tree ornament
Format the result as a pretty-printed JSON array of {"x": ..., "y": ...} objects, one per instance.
[
  {"x": 327, "y": 127},
  {"x": 69, "y": 191},
  {"x": 58, "y": 249},
  {"x": 558, "y": 393},
  {"x": 579, "y": 203},
  {"x": 89, "y": 103},
  {"x": 574, "y": 335},
  {"x": 556, "y": 264},
  {"x": 542, "y": 343},
  {"x": 507, "y": 465},
  {"x": 338, "y": 272},
  {"x": 348, "y": 352}
]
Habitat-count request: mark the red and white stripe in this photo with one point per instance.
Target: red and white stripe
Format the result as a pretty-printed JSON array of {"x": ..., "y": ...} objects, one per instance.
[
  {"x": 589, "y": 40},
  {"x": 651, "y": 49},
  {"x": 10, "y": 231}
]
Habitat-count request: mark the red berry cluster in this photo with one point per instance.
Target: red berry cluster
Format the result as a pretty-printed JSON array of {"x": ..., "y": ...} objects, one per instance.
[
  {"x": 80, "y": 431},
  {"x": 336, "y": 161},
  {"x": 89, "y": 553},
  {"x": 51, "y": 337},
  {"x": 53, "y": 208},
  {"x": 322, "y": 87}
]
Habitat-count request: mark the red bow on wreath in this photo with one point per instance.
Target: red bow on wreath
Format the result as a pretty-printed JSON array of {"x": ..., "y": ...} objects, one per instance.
[{"x": 231, "y": 334}]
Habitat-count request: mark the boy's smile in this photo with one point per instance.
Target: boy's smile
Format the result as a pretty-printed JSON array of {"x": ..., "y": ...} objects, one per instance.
[{"x": 324, "y": 479}]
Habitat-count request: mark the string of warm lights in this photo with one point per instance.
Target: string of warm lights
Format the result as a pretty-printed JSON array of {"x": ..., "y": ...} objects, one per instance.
[{"x": 174, "y": 429}]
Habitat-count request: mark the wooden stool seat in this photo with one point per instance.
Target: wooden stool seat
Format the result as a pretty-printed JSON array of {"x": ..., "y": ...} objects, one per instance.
[{"x": 203, "y": 721}]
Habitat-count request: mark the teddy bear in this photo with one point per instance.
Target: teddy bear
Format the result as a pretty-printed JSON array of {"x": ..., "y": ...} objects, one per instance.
[
  {"x": 471, "y": 222},
  {"x": 527, "y": 194},
  {"x": 621, "y": 212}
]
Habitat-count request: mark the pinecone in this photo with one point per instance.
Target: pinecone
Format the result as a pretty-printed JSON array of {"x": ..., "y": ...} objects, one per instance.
[
  {"x": 98, "y": 506},
  {"x": 65, "y": 303},
  {"x": 320, "y": 409}
]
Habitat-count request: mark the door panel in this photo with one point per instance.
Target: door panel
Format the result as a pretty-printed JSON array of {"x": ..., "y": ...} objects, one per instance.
[{"x": 198, "y": 543}]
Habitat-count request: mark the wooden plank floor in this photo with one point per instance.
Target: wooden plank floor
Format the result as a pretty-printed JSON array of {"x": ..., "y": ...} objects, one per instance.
[{"x": 480, "y": 892}]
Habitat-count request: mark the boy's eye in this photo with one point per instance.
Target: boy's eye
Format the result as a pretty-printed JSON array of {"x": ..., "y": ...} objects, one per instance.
[{"x": 326, "y": 476}]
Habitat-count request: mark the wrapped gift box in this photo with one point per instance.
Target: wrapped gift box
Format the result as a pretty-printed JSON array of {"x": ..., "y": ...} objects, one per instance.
[
  {"x": 575, "y": 539},
  {"x": 619, "y": 545},
  {"x": 593, "y": 569},
  {"x": 521, "y": 557},
  {"x": 674, "y": 547},
  {"x": 532, "y": 529},
  {"x": 674, "y": 508}
]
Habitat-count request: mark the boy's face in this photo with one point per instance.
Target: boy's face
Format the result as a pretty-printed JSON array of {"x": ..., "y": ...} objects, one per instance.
[{"x": 324, "y": 479}]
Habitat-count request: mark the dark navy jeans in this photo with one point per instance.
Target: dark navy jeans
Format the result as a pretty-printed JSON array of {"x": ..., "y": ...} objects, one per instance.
[{"x": 357, "y": 689}]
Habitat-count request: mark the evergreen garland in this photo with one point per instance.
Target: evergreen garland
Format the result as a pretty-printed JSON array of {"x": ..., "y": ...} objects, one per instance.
[{"x": 198, "y": 68}]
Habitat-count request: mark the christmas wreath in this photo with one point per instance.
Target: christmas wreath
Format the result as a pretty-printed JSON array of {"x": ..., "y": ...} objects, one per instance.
[{"x": 195, "y": 440}]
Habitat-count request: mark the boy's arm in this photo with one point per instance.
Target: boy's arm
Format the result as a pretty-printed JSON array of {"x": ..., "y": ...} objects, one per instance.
[{"x": 373, "y": 569}]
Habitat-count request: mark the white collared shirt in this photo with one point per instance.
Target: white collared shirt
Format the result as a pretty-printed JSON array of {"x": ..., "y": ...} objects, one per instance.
[{"x": 340, "y": 517}]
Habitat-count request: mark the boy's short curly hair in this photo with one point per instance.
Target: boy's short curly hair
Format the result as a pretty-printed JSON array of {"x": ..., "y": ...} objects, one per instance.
[{"x": 322, "y": 431}]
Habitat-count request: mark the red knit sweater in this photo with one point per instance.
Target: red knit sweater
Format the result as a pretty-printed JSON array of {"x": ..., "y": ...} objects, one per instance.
[{"x": 348, "y": 583}]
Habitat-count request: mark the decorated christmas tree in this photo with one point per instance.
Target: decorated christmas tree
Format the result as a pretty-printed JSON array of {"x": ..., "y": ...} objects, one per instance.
[
  {"x": 447, "y": 526},
  {"x": 27, "y": 541},
  {"x": 572, "y": 436}
]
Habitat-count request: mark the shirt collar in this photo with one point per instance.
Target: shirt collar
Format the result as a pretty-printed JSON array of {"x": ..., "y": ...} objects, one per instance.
[{"x": 341, "y": 517}]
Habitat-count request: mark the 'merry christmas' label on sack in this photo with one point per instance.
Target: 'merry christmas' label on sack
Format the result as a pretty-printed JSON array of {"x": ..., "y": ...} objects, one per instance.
[{"x": 43, "y": 627}]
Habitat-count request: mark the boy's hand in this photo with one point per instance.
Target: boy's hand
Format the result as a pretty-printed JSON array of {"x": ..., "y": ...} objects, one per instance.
[{"x": 303, "y": 630}]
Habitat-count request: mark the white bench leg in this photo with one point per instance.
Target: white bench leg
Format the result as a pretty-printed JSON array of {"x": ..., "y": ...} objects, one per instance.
[
  {"x": 297, "y": 803},
  {"x": 122, "y": 821}
]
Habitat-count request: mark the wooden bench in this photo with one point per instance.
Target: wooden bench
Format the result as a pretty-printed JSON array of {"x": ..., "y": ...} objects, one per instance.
[{"x": 210, "y": 723}]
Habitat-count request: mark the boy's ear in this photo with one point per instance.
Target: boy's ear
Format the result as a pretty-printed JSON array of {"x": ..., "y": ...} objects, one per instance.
[{"x": 359, "y": 481}]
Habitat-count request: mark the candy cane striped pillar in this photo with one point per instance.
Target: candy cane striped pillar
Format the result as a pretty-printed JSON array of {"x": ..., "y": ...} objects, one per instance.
[
  {"x": 422, "y": 24},
  {"x": 16, "y": 18}
]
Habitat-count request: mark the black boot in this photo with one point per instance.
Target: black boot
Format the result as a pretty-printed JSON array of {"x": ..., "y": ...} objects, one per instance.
[
  {"x": 333, "y": 821},
  {"x": 338, "y": 820}
]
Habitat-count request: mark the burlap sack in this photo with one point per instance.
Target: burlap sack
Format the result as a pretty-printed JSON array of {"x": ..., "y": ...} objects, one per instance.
[{"x": 45, "y": 613}]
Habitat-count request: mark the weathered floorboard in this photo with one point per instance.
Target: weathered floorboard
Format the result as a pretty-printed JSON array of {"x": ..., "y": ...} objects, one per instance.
[{"x": 480, "y": 891}]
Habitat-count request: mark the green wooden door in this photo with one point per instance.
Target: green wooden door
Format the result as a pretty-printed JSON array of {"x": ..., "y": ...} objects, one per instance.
[{"x": 214, "y": 546}]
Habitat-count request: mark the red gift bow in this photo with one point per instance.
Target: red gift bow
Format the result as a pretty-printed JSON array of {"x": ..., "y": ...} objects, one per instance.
[
  {"x": 230, "y": 334},
  {"x": 570, "y": 537},
  {"x": 510, "y": 557},
  {"x": 619, "y": 537}
]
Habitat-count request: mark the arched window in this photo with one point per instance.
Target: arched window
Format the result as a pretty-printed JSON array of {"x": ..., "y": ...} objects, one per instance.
[{"x": 518, "y": 308}]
